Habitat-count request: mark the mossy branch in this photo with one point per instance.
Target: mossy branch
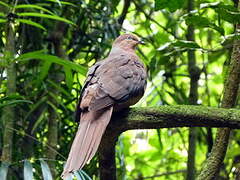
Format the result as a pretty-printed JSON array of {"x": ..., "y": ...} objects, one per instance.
[
  {"x": 161, "y": 117},
  {"x": 174, "y": 116}
]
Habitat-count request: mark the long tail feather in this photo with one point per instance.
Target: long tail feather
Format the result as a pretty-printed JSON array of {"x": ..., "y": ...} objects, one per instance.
[{"x": 87, "y": 139}]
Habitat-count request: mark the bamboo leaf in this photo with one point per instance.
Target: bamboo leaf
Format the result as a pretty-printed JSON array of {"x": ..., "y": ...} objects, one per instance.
[
  {"x": 44, "y": 71},
  {"x": 28, "y": 170},
  {"x": 45, "y": 170},
  {"x": 79, "y": 175},
  {"x": 32, "y": 23},
  {"x": 86, "y": 175},
  {"x": 54, "y": 17},
  {"x": 32, "y": 6},
  {"x": 4, "y": 170},
  {"x": 55, "y": 97},
  {"x": 4, "y": 4},
  {"x": 39, "y": 120},
  {"x": 54, "y": 107},
  {"x": 3, "y": 20},
  {"x": 35, "y": 106},
  {"x": 201, "y": 22},
  {"x": 59, "y": 3},
  {"x": 59, "y": 88},
  {"x": 185, "y": 44},
  {"x": 208, "y": 5},
  {"x": 13, "y": 102},
  {"x": 68, "y": 77},
  {"x": 41, "y": 56},
  {"x": 63, "y": 3},
  {"x": 172, "y": 5},
  {"x": 11, "y": 97},
  {"x": 198, "y": 21}
]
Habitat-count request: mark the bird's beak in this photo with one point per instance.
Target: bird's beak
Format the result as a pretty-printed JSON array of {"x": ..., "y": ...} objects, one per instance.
[{"x": 141, "y": 42}]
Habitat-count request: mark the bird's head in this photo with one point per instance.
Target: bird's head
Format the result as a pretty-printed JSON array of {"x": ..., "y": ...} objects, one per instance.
[{"x": 127, "y": 42}]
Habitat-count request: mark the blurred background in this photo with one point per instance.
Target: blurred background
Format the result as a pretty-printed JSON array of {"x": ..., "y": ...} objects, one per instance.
[{"x": 46, "y": 48}]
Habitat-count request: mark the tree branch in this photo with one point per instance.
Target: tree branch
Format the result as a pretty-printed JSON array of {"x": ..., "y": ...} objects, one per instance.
[
  {"x": 126, "y": 6},
  {"x": 160, "y": 117},
  {"x": 174, "y": 116}
]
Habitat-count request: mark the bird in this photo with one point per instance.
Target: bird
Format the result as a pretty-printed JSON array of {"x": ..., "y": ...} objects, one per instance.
[{"x": 111, "y": 85}]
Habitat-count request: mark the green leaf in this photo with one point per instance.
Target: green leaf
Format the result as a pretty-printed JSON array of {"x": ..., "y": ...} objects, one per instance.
[
  {"x": 56, "y": 98},
  {"x": 59, "y": 88},
  {"x": 209, "y": 5},
  {"x": 4, "y": 170},
  {"x": 35, "y": 106},
  {"x": 79, "y": 175},
  {"x": 43, "y": 72},
  {"x": 230, "y": 38},
  {"x": 32, "y": 23},
  {"x": 3, "y": 20},
  {"x": 185, "y": 44},
  {"x": 4, "y": 4},
  {"x": 39, "y": 120},
  {"x": 46, "y": 57},
  {"x": 32, "y": 6},
  {"x": 198, "y": 21},
  {"x": 11, "y": 97},
  {"x": 28, "y": 170},
  {"x": 68, "y": 77},
  {"x": 160, "y": 4},
  {"x": 63, "y": 3},
  {"x": 54, "y": 17},
  {"x": 85, "y": 174},
  {"x": 59, "y": 3},
  {"x": 159, "y": 138},
  {"x": 13, "y": 102},
  {"x": 164, "y": 47},
  {"x": 217, "y": 28},
  {"x": 45, "y": 170},
  {"x": 201, "y": 22},
  {"x": 228, "y": 14},
  {"x": 54, "y": 107},
  {"x": 172, "y": 5}
]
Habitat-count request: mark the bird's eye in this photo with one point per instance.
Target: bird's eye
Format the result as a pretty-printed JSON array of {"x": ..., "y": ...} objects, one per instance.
[{"x": 130, "y": 38}]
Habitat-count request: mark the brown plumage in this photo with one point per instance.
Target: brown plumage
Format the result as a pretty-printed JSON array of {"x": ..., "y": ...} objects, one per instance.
[{"x": 114, "y": 83}]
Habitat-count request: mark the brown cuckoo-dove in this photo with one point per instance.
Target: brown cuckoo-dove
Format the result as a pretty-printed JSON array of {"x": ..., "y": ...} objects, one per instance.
[{"x": 112, "y": 84}]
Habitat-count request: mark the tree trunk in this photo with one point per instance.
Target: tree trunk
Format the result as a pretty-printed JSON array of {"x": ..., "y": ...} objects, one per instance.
[
  {"x": 56, "y": 76},
  {"x": 213, "y": 164},
  {"x": 107, "y": 162},
  {"x": 8, "y": 115},
  {"x": 194, "y": 73}
]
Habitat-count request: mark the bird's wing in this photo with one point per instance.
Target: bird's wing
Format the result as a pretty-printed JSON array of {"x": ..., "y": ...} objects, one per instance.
[
  {"x": 121, "y": 79},
  {"x": 90, "y": 77}
]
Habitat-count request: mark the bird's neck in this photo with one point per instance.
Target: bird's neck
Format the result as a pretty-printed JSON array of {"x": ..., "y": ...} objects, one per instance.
[{"x": 119, "y": 50}]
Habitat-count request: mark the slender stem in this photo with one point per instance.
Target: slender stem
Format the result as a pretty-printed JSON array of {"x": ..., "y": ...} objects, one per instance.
[{"x": 194, "y": 73}]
